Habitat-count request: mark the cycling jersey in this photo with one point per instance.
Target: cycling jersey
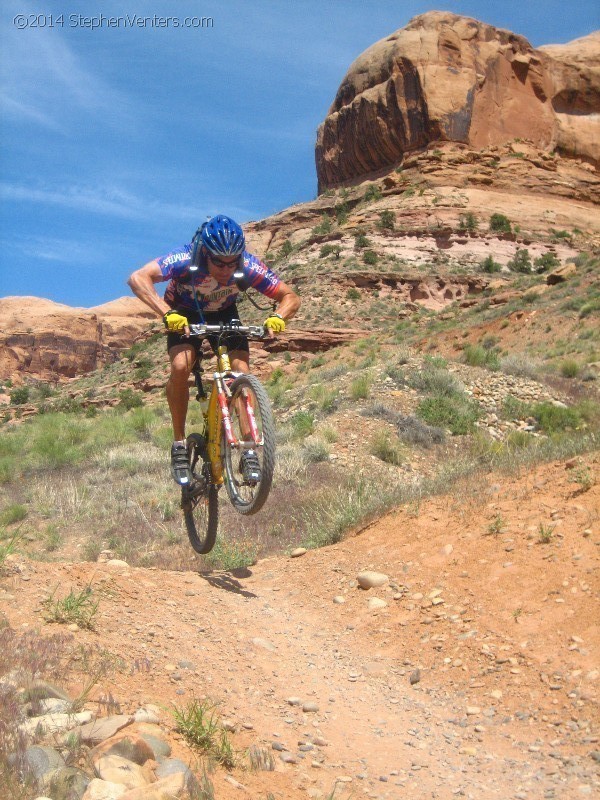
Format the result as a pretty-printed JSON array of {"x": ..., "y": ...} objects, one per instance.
[{"x": 187, "y": 286}]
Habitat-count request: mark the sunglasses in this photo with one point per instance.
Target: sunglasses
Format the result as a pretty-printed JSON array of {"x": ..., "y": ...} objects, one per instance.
[{"x": 218, "y": 262}]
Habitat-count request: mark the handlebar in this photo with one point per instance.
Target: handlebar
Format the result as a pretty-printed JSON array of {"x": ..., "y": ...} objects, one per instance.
[{"x": 234, "y": 327}]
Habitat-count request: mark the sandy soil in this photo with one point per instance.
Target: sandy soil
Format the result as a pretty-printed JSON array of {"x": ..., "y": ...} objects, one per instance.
[{"x": 479, "y": 678}]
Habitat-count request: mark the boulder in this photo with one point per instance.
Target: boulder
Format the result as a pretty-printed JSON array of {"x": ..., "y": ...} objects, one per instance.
[{"x": 446, "y": 77}]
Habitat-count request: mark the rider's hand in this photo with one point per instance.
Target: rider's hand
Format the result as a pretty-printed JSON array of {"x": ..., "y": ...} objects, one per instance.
[
  {"x": 275, "y": 323},
  {"x": 175, "y": 322}
]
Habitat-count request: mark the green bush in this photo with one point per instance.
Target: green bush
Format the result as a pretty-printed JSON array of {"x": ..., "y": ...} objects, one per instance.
[
  {"x": 19, "y": 396},
  {"x": 130, "y": 399},
  {"x": 521, "y": 262},
  {"x": 361, "y": 242},
  {"x": 330, "y": 249},
  {"x": 341, "y": 213},
  {"x": 456, "y": 413},
  {"x": 569, "y": 368},
  {"x": 553, "y": 419},
  {"x": 477, "y": 356},
  {"x": 373, "y": 193},
  {"x": 468, "y": 222},
  {"x": 489, "y": 265},
  {"x": 302, "y": 424},
  {"x": 545, "y": 262},
  {"x": 387, "y": 220},
  {"x": 12, "y": 513},
  {"x": 286, "y": 249},
  {"x": 387, "y": 448},
  {"x": 353, "y": 294},
  {"x": 360, "y": 387},
  {"x": 370, "y": 257},
  {"x": 324, "y": 226},
  {"x": 500, "y": 223}
]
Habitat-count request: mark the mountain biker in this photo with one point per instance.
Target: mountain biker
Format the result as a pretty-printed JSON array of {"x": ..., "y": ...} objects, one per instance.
[{"x": 202, "y": 289}]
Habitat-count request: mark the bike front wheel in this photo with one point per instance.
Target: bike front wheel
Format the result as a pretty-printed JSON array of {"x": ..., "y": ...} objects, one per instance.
[
  {"x": 253, "y": 430},
  {"x": 200, "y": 502}
]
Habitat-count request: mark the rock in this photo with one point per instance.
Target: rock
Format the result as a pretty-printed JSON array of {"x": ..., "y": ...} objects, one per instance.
[
  {"x": 146, "y": 715},
  {"x": 42, "y": 761},
  {"x": 376, "y": 603},
  {"x": 54, "y": 705},
  {"x": 415, "y": 677},
  {"x": 117, "y": 564},
  {"x": 103, "y": 790},
  {"x": 473, "y": 711},
  {"x": 160, "y": 747},
  {"x": 54, "y": 723},
  {"x": 120, "y": 770},
  {"x": 310, "y": 708},
  {"x": 447, "y": 549},
  {"x": 339, "y": 599},
  {"x": 446, "y": 77},
  {"x": 67, "y": 783},
  {"x": 370, "y": 580},
  {"x": 131, "y": 746},
  {"x": 299, "y": 551},
  {"x": 50, "y": 340},
  {"x": 264, "y": 644},
  {"x": 172, "y": 786},
  {"x": 561, "y": 274},
  {"x": 103, "y": 728}
]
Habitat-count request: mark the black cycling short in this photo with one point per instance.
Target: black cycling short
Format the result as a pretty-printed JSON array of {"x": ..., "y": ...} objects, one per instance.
[{"x": 233, "y": 341}]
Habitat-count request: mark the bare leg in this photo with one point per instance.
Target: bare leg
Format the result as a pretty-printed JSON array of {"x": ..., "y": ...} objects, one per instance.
[
  {"x": 240, "y": 362},
  {"x": 182, "y": 358}
]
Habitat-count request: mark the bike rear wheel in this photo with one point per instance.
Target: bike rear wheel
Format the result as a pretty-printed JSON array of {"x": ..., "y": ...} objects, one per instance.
[
  {"x": 249, "y": 497},
  {"x": 200, "y": 502}
]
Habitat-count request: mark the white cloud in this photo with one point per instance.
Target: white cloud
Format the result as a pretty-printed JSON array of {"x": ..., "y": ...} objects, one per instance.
[
  {"x": 46, "y": 82},
  {"x": 117, "y": 202}
]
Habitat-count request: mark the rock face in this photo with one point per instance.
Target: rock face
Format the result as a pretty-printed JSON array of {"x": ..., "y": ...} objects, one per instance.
[
  {"x": 446, "y": 77},
  {"x": 50, "y": 340}
]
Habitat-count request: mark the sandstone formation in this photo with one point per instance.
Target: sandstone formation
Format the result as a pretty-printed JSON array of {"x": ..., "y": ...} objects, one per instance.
[
  {"x": 446, "y": 77},
  {"x": 50, "y": 341}
]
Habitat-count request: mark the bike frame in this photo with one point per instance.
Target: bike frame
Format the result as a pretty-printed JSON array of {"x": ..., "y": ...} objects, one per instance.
[{"x": 217, "y": 416}]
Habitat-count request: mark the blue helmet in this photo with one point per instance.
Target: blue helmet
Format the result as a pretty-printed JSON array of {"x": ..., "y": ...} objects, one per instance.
[{"x": 220, "y": 235}]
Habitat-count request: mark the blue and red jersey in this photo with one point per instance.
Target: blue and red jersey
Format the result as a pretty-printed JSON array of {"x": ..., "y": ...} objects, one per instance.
[{"x": 188, "y": 286}]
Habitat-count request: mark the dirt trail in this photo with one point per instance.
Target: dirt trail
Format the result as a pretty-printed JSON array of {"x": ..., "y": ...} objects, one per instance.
[{"x": 478, "y": 679}]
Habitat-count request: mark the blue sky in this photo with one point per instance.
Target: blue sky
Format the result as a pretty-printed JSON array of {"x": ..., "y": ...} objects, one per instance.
[{"x": 115, "y": 143}]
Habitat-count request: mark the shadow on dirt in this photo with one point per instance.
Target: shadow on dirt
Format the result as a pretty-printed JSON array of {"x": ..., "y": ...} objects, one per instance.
[{"x": 228, "y": 582}]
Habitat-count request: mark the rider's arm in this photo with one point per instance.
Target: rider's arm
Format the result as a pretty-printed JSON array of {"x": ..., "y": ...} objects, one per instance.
[
  {"x": 142, "y": 283},
  {"x": 287, "y": 301}
]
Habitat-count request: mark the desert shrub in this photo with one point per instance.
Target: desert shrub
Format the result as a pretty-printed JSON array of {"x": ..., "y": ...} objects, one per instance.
[
  {"x": 553, "y": 419},
  {"x": 19, "y": 396},
  {"x": 435, "y": 380},
  {"x": 360, "y": 387},
  {"x": 324, "y": 396},
  {"x": 521, "y": 365},
  {"x": 520, "y": 262},
  {"x": 370, "y": 257},
  {"x": 352, "y": 294},
  {"x": 489, "y": 265},
  {"x": 341, "y": 213},
  {"x": 361, "y": 242},
  {"x": 330, "y": 249},
  {"x": 302, "y": 424},
  {"x": 387, "y": 448},
  {"x": 477, "y": 356},
  {"x": 500, "y": 223},
  {"x": 545, "y": 262},
  {"x": 315, "y": 449},
  {"x": 387, "y": 220},
  {"x": 129, "y": 399},
  {"x": 373, "y": 193},
  {"x": 569, "y": 368},
  {"x": 467, "y": 222},
  {"x": 12, "y": 513},
  {"x": 456, "y": 413},
  {"x": 324, "y": 226},
  {"x": 286, "y": 249}
]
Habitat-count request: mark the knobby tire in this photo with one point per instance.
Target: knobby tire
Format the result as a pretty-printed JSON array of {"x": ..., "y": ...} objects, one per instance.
[
  {"x": 201, "y": 512},
  {"x": 246, "y": 499}
]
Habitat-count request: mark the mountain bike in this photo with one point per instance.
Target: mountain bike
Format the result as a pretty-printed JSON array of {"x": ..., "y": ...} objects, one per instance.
[{"x": 237, "y": 417}]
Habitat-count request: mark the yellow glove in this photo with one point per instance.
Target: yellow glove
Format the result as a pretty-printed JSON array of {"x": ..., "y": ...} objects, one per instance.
[
  {"x": 174, "y": 321},
  {"x": 275, "y": 323}
]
